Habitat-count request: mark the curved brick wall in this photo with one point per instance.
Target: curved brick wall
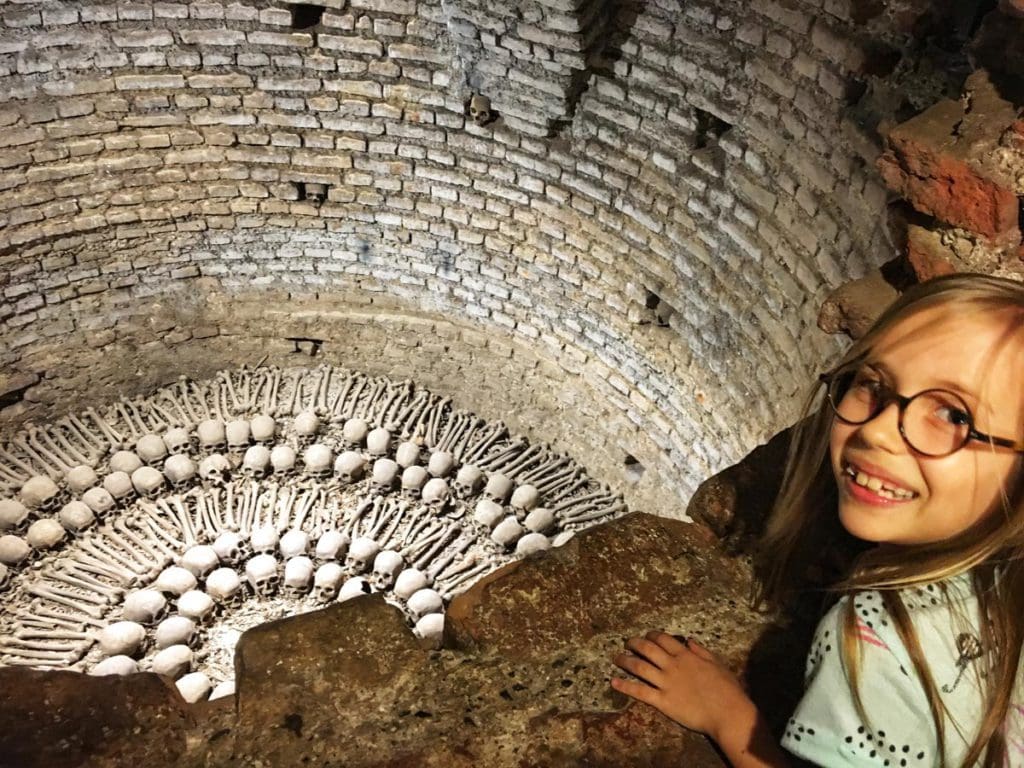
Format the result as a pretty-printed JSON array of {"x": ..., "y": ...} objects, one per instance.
[{"x": 627, "y": 263}]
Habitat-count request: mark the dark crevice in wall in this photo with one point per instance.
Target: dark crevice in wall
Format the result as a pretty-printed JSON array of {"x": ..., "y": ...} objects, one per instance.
[
  {"x": 306, "y": 17},
  {"x": 634, "y": 469},
  {"x": 710, "y": 128},
  {"x": 315, "y": 345},
  {"x": 660, "y": 310},
  {"x": 13, "y": 396}
]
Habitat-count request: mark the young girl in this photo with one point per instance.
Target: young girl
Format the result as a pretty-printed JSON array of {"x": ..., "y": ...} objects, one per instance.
[{"x": 914, "y": 454}]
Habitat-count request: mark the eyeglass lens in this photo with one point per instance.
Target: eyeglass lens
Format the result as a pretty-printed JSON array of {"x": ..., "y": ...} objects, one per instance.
[{"x": 935, "y": 422}]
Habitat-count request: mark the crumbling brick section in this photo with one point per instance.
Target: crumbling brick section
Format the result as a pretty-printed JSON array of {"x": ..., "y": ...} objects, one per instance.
[{"x": 961, "y": 163}]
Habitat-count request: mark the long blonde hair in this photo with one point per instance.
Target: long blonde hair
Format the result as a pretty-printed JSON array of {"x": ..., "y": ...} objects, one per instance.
[{"x": 803, "y": 534}]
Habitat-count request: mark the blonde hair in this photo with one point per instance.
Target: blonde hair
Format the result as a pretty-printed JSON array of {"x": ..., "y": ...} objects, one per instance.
[{"x": 803, "y": 531}]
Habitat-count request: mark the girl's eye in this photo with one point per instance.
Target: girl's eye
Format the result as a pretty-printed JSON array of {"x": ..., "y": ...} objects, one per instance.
[{"x": 953, "y": 415}]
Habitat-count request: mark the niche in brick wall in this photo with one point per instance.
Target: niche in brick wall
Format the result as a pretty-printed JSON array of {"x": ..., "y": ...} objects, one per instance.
[
  {"x": 659, "y": 311},
  {"x": 306, "y": 16},
  {"x": 710, "y": 128},
  {"x": 313, "y": 191},
  {"x": 634, "y": 469}
]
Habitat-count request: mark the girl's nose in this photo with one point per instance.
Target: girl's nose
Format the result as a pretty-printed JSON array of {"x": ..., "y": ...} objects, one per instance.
[{"x": 883, "y": 430}]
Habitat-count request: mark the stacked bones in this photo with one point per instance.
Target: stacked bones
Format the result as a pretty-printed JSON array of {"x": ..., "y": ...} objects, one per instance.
[{"x": 160, "y": 528}]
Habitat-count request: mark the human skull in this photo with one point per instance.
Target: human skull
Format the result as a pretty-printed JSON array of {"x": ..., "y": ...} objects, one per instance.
[
  {"x": 13, "y": 514},
  {"x": 349, "y": 466},
  {"x": 488, "y": 514},
  {"x": 45, "y": 534},
  {"x": 354, "y": 432},
  {"x": 124, "y": 461},
  {"x": 175, "y": 580},
  {"x": 151, "y": 449},
  {"x": 13, "y": 549},
  {"x": 194, "y": 687},
  {"x": 81, "y": 478},
  {"x": 146, "y": 606},
  {"x": 148, "y": 482},
  {"x": 384, "y": 473},
  {"x": 119, "y": 485},
  {"x": 498, "y": 488},
  {"x": 306, "y": 425},
  {"x": 196, "y": 605},
  {"x": 264, "y": 540},
  {"x": 173, "y": 661},
  {"x": 263, "y": 429},
  {"x": 225, "y": 587},
  {"x": 327, "y": 581},
  {"x": 435, "y": 494},
  {"x": 115, "y": 665},
  {"x": 214, "y": 469},
  {"x": 413, "y": 480},
  {"x": 232, "y": 548},
  {"x": 524, "y": 500},
  {"x": 378, "y": 442},
  {"x": 441, "y": 464},
  {"x": 174, "y": 630},
  {"x": 237, "y": 434},
  {"x": 99, "y": 501},
  {"x": 298, "y": 576},
  {"x": 199, "y": 560},
  {"x": 294, "y": 543},
  {"x": 177, "y": 440},
  {"x": 40, "y": 494},
  {"x": 212, "y": 437},
  {"x": 408, "y": 454},
  {"x": 430, "y": 629},
  {"x": 282, "y": 459},
  {"x": 480, "y": 109},
  {"x": 386, "y": 566},
  {"x": 424, "y": 601},
  {"x": 5, "y": 577},
  {"x": 315, "y": 192},
  {"x": 354, "y": 587},
  {"x": 256, "y": 462},
  {"x": 122, "y": 638},
  {"x": 540, "y": 520},
  {"x": 76, "y": 516},
  {"x": 532, "y": 543},
  {"x": 508, "y": 532},
  {"x": 410, "y": 581},
  {"x": 361, "y": 553},
  {"x": 180, "y": 470},
  {"x": 318, "y": 460},
  {"x": 468, "y": 482}
]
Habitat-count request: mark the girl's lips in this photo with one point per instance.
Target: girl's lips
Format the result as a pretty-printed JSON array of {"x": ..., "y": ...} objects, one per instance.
[{"x": 867, "y": 496}]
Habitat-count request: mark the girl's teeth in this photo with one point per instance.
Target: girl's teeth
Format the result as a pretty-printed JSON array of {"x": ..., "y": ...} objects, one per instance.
[{"x": 875, "y": 485}]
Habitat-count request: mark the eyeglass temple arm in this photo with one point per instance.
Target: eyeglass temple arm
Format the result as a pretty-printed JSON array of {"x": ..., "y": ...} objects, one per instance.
[{"x": 1001, "y": 441}]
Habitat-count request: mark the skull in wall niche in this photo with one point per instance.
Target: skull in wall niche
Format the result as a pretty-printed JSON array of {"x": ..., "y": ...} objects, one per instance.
[
  {"x": 262, "y": 574},
  {"x": 315, "y": 192},
  {"x": 298, "y": 576},
  {"x": 232, "y": 548},
  {"x": 361, "y": 553},
  {"x": 413, "y": 480},
  {"x": 212, "y": 437},
  {"x": 479, "y": 109},
  {"x": 256, "y": 462},
  {"x": 214, "y": 469},
  {"x": 468, "y": 482},
  {"x": 435, "y": 494},
  {"x": 327, "y": 581},
  {"x": 349, "y": 467}
]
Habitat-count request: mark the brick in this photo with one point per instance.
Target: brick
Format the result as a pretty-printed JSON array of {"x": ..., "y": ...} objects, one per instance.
[
  {"x": 222, "y": 37},
  {"x": 286, "y": 39},
  {"x": 235, "y": 80},
  {"x": 146, "y": 82},
  {"x": 142, "y": 39},
  {"x": 351, "y": 45}
]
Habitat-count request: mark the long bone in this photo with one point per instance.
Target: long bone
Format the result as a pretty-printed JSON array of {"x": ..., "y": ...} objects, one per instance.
[
  {"x": 460, "y": 448},
  {"x": 590, "y": 513},
  {"x": 147, "y": 416},
  {"x": 410, "y": 413},
  {"x": 113, "y": 436},
  {"x": 318, "y": 399},
  {"x": 213, "y": 500},
  {"x": 502, "y": 455},
  {"x": 43, "y": 440},
  {"x": 168, "y": 418},
  {"x": 552, "y": 484},
  {"x": 160, "y": 516},
  {"x": 131, "y": 410},
  {"x": 283, "y": 506},
  {"x": 566, "y": 490},
  {"x": 38, "y": 608},
  {"x": 307, "y": 504},
  {"x": 352, "y": 403},
  {"x": 546, "y": 470},
  {"x": 184, "y": 386},
  {"x": 397, "y": 512},
  {"x": 442, "y": 564},
  {"x": 449, "y": 588},
  {"x": 213, "y": 392},
  {"x": 74, "y": 600},
  {"x": 97, "y": 550},
  {"x": 135, "y": 553},
  {"x": 47, "y": 466},
  {"x": 88, "y": 563},
  {"x": 31, "y": 658},
  {"x": 418, "y": 421},
  {"x": 234, "y": 404},
  {"x": 361, "y": 510},
  {"x": 205, "y": 514},
  {"x": 163, "y": 534},
  {"x": 121, "y": 413},
  {"x": 74, "y": 444},
  {"x": 24, "y": 633},
  {"x": 271, "y": 391},
  {"x": 403, "y": 395},
  {"x": 182, "y": 418},
  {"x": 377, "y": 408},
  {"x": 340, "y": 399},
  {"x": 229, "y": 512},
  {"x": 180, "y": 514},
  {"x": 43, "y": 645},
  {"x": 33, "y": 623},
  {"x": 451, "y": 534},
  {"x": 111, "y": 594},
  {"x": 604, "y": 494},
  {"x": 122, "y": 529},
  {"x": 27, "y": 470},
  {"x": 296, "y": 375},
  {"x": 533, "y": 455},
  {"x": 434, "y": 425},
  {"x": 419, "y": 545},
  {"x": 97, "y": 443},
  {"x": 452, "y": 427}
]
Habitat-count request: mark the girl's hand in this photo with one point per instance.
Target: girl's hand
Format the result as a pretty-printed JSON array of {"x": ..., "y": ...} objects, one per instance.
[{"x": 684, "y": 681}]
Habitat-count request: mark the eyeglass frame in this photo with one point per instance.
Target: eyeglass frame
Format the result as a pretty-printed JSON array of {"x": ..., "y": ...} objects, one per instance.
[{"x": 902, "y": 401}]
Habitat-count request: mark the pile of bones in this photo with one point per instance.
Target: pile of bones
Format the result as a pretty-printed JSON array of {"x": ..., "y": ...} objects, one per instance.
[{"x": 149, "y": 535}]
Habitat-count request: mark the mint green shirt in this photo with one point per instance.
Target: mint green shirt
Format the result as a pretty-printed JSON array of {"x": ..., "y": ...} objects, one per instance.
[{"x": 826, "y": 728}]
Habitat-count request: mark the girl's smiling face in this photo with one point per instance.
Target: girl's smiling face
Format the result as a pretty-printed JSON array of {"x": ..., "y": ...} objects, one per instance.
[{"x": 934, "y": 498}]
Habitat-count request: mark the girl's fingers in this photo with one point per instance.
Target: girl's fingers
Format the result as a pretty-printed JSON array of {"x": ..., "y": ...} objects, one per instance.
[
  {"x": 639, "y": 667},
  {"x": 636, "y": 690},
  {"x": 666, "y": 642},
  {"x": 651, "y": 651},
  {"x": 700, "y": 651}
]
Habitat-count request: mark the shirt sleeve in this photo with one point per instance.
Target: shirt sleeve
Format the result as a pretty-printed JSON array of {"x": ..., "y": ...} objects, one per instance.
[{"x": 826, "y": 728}]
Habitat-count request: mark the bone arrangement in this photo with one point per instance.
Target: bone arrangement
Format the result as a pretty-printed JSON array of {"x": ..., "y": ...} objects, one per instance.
[{"x": 148, "y": 535}]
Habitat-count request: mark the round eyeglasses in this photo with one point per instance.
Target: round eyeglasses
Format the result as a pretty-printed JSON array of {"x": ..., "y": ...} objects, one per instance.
[{"x": 934, "y": 422}]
